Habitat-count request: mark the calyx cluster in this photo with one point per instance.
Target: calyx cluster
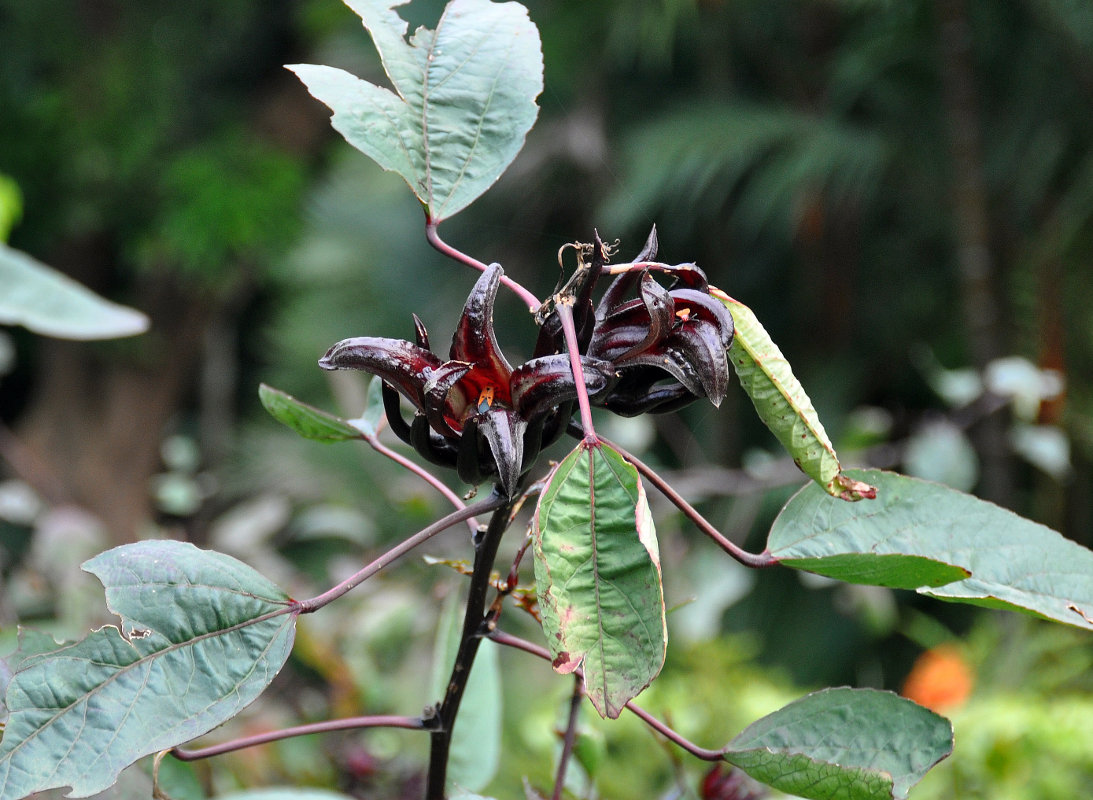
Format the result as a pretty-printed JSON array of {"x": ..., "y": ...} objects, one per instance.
[{"x": 475, "y": 412}]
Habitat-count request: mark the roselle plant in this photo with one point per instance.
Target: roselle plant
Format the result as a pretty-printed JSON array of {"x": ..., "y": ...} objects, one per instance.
[{"x": 202, "y": 634}]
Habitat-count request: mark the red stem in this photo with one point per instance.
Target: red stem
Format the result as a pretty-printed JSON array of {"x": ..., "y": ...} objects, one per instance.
[
  {"x": 424, "y": 474},
  {"x": 513, "y": 578},
  {"x": 439, "y": 244},
  {"x": 660, "y": 727},
  {"x": 350, "y": 723},
  {"x": 755, "y": 560},
  {"x": 475, "y": 618},
  {"x": 487, "y": 504},
  {"x": 564, "y": 308},
  {"x": 570, "y": 736}
]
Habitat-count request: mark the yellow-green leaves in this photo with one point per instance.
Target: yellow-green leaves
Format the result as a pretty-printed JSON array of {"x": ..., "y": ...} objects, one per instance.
[
  {"x": 597, "y": 569},
  {"x": 11, "y": 205},
  {"x": 463, "y": 100},
  {"x": 783, "y": 405},
  {"x": 306, "y": 420}
]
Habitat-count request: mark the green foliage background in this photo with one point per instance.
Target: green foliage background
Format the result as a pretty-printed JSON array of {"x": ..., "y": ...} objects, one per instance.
[{"x": 800, "y": 152}]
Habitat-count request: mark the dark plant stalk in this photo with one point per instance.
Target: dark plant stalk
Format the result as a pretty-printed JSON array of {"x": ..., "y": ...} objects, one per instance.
[
  {"x": 347, "y": 724},
  {"x": 494, "y": 501},
  {"x": 441, "y": 246},
  {"x": 570, "y": 736},
  {"x": 660, "y": 727},
  {"x": 485, "y": 552},
  {"x": 755, "y": 560}
]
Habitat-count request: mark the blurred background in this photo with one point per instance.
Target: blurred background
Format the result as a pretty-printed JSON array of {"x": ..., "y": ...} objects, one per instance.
[{"x": 902, "y": 191}]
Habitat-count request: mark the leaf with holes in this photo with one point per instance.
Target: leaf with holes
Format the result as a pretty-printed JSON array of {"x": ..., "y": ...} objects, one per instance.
[
  {"x": 782, "y": 404},
  {"x": 597, "y": 570},
  {"x": 464, "y": 97},
  {"x": 201, "y": 636},
  {"x": 956, "y": 546},
  {"x": 306, "y": 420},
  {"x": 843, "y": 744}
]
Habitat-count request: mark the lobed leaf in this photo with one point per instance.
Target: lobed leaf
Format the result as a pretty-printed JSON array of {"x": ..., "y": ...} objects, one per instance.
[
  {"x": 306, "y": 420},
  {"x": 201, "y": 636},
  {"x": 464, "y": 97},
  {"x": 783, "y": 405},
  {"x": 52, "y": 304},
  {"x": 961, "y": 548},
  {"x": 843, "y": 744},
  {"x": 597, "y": 571}
]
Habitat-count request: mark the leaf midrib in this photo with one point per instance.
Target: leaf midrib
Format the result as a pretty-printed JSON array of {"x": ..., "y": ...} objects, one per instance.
[{"x": 124, "y": 670}]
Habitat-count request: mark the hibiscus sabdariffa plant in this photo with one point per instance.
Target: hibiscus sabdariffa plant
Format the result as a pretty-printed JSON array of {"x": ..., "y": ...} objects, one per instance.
[
  {"x": 202, "y": 634},
  {"x": 476, "y": 413}
]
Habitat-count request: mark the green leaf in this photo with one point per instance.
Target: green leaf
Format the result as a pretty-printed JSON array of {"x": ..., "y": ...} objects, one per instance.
[
  {"x": 31, "y": 643},
  {"x": 464, "y": 97},
  {"x": 368, "y": 422},
  {"x": 201, "y": 636},
  {"x": 782, "y": 404},
  {"x": 995, "y": 557},
  {"x": 597, "y": 571},
  {"x": 590, "y": 750},
  {"x": 475, "y": 752},
  {"x": 893, "y": 570},
  {"x": 11, "y": 206},
  {"x": 51, "y": 304},
  {"x": 849, "y": 744},
  {"x": 308, "y": 421}
]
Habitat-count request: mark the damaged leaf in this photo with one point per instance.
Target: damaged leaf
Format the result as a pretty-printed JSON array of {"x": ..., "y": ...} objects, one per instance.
[
  {"x": 597, "y": 569},
  {"x": 463, "y": 100},
  {"x": 201, "y": 636},
  {"x": 783, "y": 405}
]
